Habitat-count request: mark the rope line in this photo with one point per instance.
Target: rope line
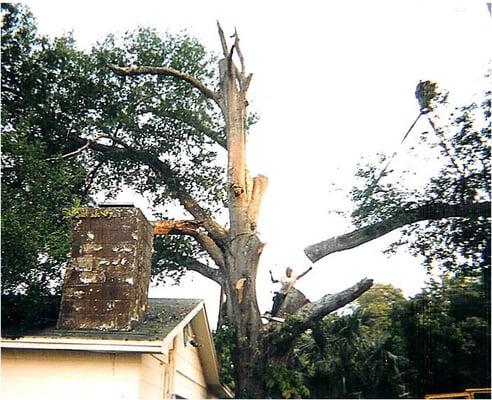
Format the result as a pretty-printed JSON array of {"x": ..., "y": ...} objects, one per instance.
[{"x": 373, "y": 186}]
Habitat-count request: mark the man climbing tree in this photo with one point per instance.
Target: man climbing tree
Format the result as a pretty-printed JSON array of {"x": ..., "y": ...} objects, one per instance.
[{"x": 287, "y": 282}]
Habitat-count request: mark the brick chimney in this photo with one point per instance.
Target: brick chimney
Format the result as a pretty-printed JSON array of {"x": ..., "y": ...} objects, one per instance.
[{"x": 108, "y": 274}]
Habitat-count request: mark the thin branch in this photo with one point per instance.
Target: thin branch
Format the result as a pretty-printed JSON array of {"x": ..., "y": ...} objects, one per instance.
[
  {"x": 166, "y": 71},
  {"x": 217, "y": 137},
  {"x": 371, "y": 188},
  {"x": 442, "y": 143},
  {"x": 431, "y": 211},
  {"x": 91, "y": 176},
  {"x": 81, "y": 149}
]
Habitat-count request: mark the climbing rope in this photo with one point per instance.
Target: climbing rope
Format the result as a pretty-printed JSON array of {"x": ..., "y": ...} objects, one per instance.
[{"x": 424, "y": 93}]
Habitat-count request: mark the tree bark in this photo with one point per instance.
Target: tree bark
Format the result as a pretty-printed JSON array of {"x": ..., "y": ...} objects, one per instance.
[
  {"x": 431, "y": 211},
  {"x": 281, "y": 340}
]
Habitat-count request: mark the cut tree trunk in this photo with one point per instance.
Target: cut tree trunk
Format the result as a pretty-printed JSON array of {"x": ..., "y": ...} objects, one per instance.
[{"x": 242, "y": 312}]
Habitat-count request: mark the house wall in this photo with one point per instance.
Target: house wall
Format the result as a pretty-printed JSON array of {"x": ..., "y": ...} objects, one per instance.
[
  {"x": 152, "y": 369},
  {"x": 63, "y": 374},
  {"x": 189, "y": 379}
]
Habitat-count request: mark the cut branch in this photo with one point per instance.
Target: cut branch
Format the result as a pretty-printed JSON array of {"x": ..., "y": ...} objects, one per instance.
[
  {"x": 311, "y": 313},
  {"x": 193, "y": 229},
  {"x": 166, "y": 71},
  {"x": 431, "y": 211},
  {"x": 260, "y": 184},
  {"x": 173, "y": 227}
]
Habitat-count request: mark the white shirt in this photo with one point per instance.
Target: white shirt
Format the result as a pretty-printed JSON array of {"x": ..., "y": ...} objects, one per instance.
[{"x": 287, "y": 283}]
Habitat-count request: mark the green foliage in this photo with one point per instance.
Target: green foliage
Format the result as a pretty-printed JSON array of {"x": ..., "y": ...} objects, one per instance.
[
  {"x": 446, "y": 335},
  {"x": 389, "y": 347},
  {"x": 290, "y": 331},
  {"x": 224, "y": 340},
  {"x": 159, "y": 116},
  {"x": 37, "y": 74},
  {"x": 285, "y": 382},
  {"x": 356, "y": 354},
  {"x": 24, "y": 313}
]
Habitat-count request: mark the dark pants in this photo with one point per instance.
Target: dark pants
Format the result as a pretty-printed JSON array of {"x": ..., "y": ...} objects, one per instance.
[{"x": 278, "y": 299}]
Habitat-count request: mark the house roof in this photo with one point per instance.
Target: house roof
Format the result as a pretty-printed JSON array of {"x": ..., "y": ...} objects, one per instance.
[{"x": 162, "y": 317}]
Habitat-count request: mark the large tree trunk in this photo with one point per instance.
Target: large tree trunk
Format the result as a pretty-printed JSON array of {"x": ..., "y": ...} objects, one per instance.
[{"x": 243, "y": 313}]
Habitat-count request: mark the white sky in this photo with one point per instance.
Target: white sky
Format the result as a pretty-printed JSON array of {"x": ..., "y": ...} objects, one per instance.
[{"x": 332, "y": 81}]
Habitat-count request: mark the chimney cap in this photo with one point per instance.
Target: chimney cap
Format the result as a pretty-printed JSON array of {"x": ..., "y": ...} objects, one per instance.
[{"x": 115, "y": 204}]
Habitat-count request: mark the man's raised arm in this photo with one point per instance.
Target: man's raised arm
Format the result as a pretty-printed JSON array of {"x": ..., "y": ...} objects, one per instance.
[{"x": 304, "y": 273}]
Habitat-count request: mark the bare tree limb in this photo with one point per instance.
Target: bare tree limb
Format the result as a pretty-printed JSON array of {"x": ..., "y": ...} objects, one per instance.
[
  {"x": 166, "y": 71},
  {"x": 239, "y": 53},
  {"x": 208, "y": 272},
  {"x": 431, "y": 211},
  {"x": 313, "y": 312},
  {"x": 223, "y": 41},
  {"x": 193, "y": 229}
]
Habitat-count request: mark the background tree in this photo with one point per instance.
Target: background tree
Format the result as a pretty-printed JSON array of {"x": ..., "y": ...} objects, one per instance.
[
  {"x": 37, "y": 75},
  {"x": 356, "y": 354},
  {"x": 445, "y": 332}
]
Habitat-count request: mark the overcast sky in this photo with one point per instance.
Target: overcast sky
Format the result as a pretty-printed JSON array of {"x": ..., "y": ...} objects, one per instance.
[{"x": 332, "y": 81}]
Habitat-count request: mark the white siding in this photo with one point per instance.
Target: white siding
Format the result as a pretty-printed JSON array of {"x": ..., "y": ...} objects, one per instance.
[
  {"x": 61, "y": 374},
  {"x": 151, "y": 378},
  {"x": 189, "y": 380}
]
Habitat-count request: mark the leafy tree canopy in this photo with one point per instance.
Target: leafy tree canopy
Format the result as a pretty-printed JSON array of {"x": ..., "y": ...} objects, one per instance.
[{"x": 56, "y": 99}]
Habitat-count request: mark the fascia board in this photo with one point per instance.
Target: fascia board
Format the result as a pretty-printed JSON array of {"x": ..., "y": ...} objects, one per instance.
[{"x": 44, "y": 343}]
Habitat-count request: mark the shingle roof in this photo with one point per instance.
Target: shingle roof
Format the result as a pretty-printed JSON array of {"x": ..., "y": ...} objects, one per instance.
[{"x": 162, "y": 316}]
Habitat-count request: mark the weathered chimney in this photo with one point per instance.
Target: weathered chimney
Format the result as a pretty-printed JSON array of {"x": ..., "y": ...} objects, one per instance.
[{"x": 107, "y": 278}]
